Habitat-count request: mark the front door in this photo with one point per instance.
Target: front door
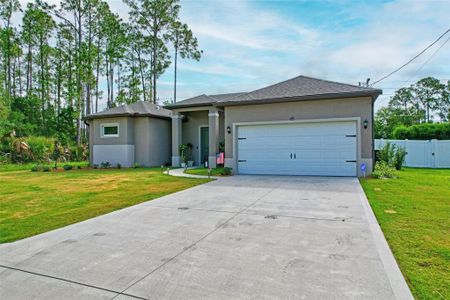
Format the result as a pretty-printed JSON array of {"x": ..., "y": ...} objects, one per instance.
[{"x": 204, "y": 144}]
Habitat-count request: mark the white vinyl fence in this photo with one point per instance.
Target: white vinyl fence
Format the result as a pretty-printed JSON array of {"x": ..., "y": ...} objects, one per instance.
[{"x": 423, "y": 154}]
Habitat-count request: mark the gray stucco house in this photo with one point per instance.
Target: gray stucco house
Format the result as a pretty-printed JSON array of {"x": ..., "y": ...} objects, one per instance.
[
  {"x": 135, "y": 133},
  {"x": 301, "y": 126}
]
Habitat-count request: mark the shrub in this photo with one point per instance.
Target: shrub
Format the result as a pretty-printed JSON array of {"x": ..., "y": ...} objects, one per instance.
[
  {"x": 67, "y": 167},
  {"x": 427, "y": 131},
  {"x": 41, "y": 147},
  {"x": 95, "y": 166},
  {"x": 383, "y": 170},
  {"x": 46, "y": 168},
  {"x": 36, "y": 168},
  {"x": 392, "y": 155},
  {"x": 79, "y": 167},
  {"x": 225, "y": 171},
  {"x": 119, "y": 166},
  {"x": 105, "y": 164},
  {"x": 136, "y": 165},
  {"x": 399, "y": 158},
  {"x": 386, "y": 153}
]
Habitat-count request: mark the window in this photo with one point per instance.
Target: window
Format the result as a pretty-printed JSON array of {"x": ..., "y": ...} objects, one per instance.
[{"x": 110, "y": 130}]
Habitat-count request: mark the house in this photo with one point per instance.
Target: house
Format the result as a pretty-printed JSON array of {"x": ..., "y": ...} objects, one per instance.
[
  {"x": 301, "y": 126},
  {"x": 133, "y": 133}
]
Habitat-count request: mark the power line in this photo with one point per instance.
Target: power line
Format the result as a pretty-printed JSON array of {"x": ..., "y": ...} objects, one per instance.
[
  {"x": 427, "y": 61},
  {"x": 412, "y": 59}
]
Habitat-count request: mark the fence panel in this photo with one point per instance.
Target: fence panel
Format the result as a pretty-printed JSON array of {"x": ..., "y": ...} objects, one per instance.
[
  {"x": 422, "y": 154},
  {"x": 442, "y": 154}
]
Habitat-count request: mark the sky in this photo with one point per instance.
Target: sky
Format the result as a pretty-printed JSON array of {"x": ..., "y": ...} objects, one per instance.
[{"x": 251, "y": 44}]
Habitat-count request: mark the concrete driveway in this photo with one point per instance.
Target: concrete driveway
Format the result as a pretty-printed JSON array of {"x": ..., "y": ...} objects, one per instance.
[{"x": 248, "y": 237}]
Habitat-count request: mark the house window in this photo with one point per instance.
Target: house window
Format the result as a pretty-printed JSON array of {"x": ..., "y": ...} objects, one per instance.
[{"x": 109, "y": 130}]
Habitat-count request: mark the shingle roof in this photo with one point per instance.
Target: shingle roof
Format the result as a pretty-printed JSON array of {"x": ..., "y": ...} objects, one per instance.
[
  {"x": 298, "y": 88},
  {"x": 303, "y": 88},
  {"x": 140, "y": 108},
  {"x": 203, "y": 100}
]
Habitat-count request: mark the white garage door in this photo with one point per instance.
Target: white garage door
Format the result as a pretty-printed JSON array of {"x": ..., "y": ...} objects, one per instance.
[{"x": 321, "y": 149}]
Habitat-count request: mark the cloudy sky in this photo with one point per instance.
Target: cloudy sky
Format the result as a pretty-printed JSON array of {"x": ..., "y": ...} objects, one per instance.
[{"x": 250, "y": 44}]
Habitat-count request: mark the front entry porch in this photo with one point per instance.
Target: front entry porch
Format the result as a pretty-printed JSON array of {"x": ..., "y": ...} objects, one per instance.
[{"x": 202, "y": 130}]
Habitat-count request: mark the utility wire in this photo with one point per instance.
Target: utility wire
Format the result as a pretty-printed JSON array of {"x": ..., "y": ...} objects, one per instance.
[
  {"x": 420, "y": 68},
  {"x": 412, "y": 59},
  {"x": 426, "y": 62}
]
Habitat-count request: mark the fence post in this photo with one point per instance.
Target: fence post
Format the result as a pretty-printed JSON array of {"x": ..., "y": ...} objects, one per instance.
[{"x": 433, "y": 153}]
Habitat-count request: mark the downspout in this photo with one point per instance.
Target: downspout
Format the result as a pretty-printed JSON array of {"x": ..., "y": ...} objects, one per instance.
[
  {"x": 91, "y": 149},
  {"x": 373, "y": 132}
]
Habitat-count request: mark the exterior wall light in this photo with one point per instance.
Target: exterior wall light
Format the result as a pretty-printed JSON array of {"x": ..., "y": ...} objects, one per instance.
[
  {"x": 365, "y": 123},
  {"x": 228, "y": 129}
]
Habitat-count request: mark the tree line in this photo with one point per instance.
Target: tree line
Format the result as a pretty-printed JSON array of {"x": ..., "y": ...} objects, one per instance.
[
  {"x": 426, "y": 101},
  {"x": 60, "y": 62}
]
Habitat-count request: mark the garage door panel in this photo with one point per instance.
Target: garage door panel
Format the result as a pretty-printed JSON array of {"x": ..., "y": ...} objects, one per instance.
[{"x": 316, "y": 148}]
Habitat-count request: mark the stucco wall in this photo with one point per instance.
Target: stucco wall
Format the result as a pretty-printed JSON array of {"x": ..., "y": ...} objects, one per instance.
[
  {"x": 304, "y": 110},
  {"x": 191, "y": 131},
  {"x": 142, "y": 141},
  {"x": 125, "y": 132},
  {"x": 150, "y": 139},
  {"x": 160, "y": 141}
]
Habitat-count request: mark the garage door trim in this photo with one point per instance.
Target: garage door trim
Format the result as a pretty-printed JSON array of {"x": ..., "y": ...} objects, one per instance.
[{"x": 329, "y": 120}]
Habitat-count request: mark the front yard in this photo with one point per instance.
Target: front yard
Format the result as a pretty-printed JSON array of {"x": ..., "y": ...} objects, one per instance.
[
  {"x": 414, "y": 214},
  {"x": 36, "y": 202}
]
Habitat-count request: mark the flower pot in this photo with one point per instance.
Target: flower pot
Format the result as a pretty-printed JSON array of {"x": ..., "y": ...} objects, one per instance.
[
  {"x": 183, "y": 165},
  {"x": 190, "y": 163}
]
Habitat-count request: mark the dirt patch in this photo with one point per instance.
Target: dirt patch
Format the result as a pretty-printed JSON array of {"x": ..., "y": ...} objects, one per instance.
[{"x": 390, "y": 211}]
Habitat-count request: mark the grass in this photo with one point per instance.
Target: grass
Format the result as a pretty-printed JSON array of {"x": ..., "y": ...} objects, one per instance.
[
  {"x": 204, "y": 171},
  {"x": 28, "y": 166},
  {"x": 414, "y": 214},
  {"x": 36, "y": 202}
]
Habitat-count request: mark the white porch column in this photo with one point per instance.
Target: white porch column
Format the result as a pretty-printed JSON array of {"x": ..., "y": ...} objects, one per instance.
[
  {"x": 176, "y": 138},
  {"x": 213, "y": 117}
]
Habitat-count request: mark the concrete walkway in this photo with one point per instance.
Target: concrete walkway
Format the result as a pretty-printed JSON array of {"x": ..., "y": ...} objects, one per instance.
[
  {"x": 179, "y": 172},
  {"x": 242, "y": 237}
]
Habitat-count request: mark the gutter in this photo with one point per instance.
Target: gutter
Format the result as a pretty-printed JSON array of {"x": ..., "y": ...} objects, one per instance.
[{"x": 135, "y": 115}]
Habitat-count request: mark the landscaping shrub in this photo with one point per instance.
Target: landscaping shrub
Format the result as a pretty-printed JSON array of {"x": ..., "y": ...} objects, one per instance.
[
  {"x": 119, "y": 166},
  {"x": 95, "y": 166},
  {"x": 399, "y": 158},
  {"x": 105, "y": 164},
  {"x": 67, "y": 167},
  {"x": 225, "y": 171},
  {"x": 383, "y": 170},
  {"x": 36, "y": 168},
  {"x": 392, "y": 155},
  {"x": 46, "y": 169},
  {"x": 386, "y": 153},
  {"x": 427, "y": 131},
  {"x": 136, "y": 165}
]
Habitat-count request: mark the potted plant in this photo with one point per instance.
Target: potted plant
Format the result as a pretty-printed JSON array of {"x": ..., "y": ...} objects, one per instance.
[
  {"x": 190, "y": 162},
  {"x": 183, "y": 148}
]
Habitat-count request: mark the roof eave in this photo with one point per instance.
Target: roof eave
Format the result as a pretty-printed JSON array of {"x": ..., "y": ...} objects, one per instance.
[
  {"x": 372, "y": 93},
  {"x": 175, "y": 106},
  {"x": 93, "y": 117}
]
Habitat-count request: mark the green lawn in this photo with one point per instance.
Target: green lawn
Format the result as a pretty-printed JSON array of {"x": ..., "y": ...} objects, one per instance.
[
  {"x": 36, "y": 202},
  {"x": 204, "y": 171},
  {"x": 414, "y": 213}
]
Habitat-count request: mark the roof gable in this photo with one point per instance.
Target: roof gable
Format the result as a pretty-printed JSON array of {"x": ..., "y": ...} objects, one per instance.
[
  {"x": 303, "y": 86},
  {"x": 297, "y": 88},
  {"x": 139, "y": 108}
]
